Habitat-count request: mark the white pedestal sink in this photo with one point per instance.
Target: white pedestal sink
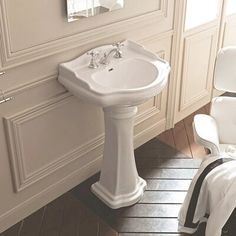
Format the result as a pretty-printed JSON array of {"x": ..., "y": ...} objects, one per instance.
[
  {"x": 118, "y": 88},
  {"x": 119, "y": 183}
]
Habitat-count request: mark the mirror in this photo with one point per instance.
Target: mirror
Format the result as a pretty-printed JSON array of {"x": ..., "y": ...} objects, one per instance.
[{"x": 77, "y": 9}]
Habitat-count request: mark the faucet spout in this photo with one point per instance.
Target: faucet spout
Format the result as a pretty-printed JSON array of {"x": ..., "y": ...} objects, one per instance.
[
  {"x": 106, "y": 58},
  {"x": 116, "y": 52}
]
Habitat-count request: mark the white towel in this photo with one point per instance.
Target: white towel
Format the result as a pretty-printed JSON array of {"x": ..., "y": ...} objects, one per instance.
[{"x": 211, "y": 196}]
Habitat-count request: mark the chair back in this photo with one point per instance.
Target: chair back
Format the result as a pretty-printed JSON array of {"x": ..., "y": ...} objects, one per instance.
[
  {"x": 223, "y": 110},
  {"x": 225, "y": 70}
]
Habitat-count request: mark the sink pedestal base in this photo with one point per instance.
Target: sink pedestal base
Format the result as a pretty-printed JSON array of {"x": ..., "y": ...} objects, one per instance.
[{"x": 119, "y": 183}]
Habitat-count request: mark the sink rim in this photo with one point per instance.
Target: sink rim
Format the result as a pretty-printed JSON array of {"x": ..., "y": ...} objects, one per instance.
[{"x": 76, "y": 77}]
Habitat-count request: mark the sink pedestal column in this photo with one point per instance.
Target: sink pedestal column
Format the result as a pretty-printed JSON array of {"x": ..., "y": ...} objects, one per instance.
[{"x": 119, "y": 183}]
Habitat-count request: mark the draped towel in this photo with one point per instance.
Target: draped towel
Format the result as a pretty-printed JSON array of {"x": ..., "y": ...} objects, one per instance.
[{"x": 211, "y": 197}]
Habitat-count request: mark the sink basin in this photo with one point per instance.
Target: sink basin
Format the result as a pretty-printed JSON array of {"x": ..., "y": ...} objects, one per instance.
[
  {"x": 118, "y": 88},
  {"x": 130, "y": 80},
  {"x": 128, "y": 76}
]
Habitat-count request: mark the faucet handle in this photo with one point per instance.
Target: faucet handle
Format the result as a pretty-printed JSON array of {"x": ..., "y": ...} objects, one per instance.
[
  {"x": 93, "y": 63},
  {"x": 118, "y": 46},
  {"x": 93, "y": 53}
]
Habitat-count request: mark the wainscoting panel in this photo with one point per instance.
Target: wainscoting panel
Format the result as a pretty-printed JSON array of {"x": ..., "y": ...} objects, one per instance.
[
  {"x": 198, "y": 65},
  {"x": 45, "y": 138}
]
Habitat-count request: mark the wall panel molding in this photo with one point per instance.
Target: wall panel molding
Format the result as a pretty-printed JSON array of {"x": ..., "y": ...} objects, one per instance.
[
  {"x": 206, "y": 43},
  {"x": 11, "y": 59},
  {"x": 150, "y": 132},
  {"x": 30, "y": 85},
  {"x": 150, "y": 111},
  {"x": 23, "y": 177}
]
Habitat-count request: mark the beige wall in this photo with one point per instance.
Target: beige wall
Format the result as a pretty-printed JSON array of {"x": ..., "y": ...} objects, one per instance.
[{"x": 49, "y": 140}]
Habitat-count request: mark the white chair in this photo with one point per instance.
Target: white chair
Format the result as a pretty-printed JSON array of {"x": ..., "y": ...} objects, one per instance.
[{"x": 217, "y": 131}]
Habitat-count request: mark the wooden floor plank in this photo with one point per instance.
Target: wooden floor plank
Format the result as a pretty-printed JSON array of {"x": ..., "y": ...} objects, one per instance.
[
  {"x": 196, "y": 150},
  {"x": 167, "y": 138},
  {"x": 14, "y": 230},
  {"x": 163, "y": 197},
  {"x": 207, "y": 108},
  {"x": 152, "y": 210},
  {"x": 181, "y": 139},
  {"x": 32, "y": 224},
  {"x": 53, "y": 217},
  {"x": 167, "y": 163},
  {"x": 203, "y": 110},
  {"x": 167, "y": 173},
  {"x": 148, "y": 225},
  {"x": 106, "y": 230},
  {"x": 71, "y": 216},
  {"x": 89, "y": 223},
  {"x": 168, "y": 184},
  {"x": 157, "y": 149}
]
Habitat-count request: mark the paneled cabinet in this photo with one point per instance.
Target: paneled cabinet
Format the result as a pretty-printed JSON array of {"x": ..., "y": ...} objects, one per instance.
[
  {"x": 202, "y": 28},
  {"x": 197, "y": 71},
  {"x": 198, "y": 32}
]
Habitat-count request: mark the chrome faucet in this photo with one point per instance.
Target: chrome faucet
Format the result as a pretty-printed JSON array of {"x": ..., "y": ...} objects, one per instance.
[
  {"x": 93, "y": 62},
  {"x": 116, "y": 52}
]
